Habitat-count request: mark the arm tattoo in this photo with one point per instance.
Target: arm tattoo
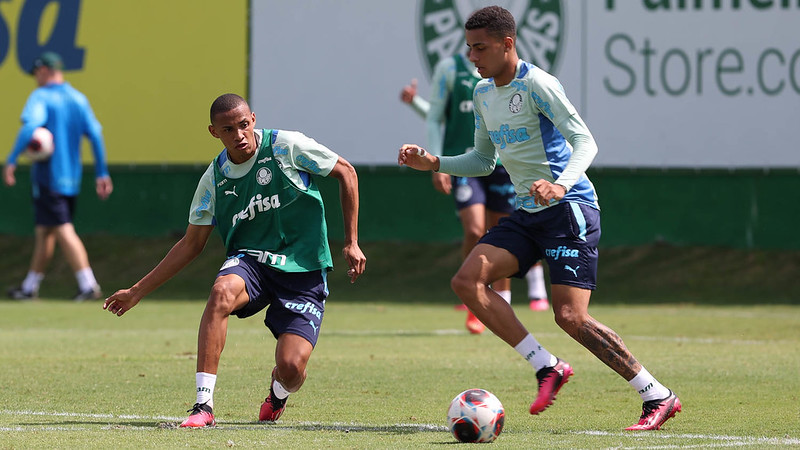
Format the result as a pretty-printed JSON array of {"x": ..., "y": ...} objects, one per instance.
[{"x": 604, "y": 343}]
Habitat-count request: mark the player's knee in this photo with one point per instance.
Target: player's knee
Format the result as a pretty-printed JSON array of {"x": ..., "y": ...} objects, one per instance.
[
  {"x": 569, "y": 319},
  {"x": 223, "y": 296},
  {"x": 291, "y": 372},
  {"x": 464, "y": 285},
  {"x": 457, "y": 284},
  {"x": 291, "y": 367}
]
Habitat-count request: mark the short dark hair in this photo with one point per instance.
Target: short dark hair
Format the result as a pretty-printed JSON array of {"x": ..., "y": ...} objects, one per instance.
[
  {"x": 225, "y": 103},
  {"x": 498, "y": 22}
]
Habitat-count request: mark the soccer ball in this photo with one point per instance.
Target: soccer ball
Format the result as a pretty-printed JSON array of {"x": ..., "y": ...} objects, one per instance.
[
  {"x": 476, "y": 415},
  {"x": 41, "y": 145}
]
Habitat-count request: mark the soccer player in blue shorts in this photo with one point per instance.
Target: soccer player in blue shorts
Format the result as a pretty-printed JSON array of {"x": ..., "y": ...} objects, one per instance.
[
  {"x": 523, "y": 114},
  {"x": 480, "y": 201},
  {"x": 56, "y": 181},
  {"x": 260, "y": 194}
]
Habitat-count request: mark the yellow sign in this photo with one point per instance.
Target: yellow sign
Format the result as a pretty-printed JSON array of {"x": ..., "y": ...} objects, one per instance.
[{"x": 150, "y": 68}]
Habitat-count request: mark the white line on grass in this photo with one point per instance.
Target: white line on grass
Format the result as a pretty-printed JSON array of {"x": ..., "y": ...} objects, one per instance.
[
  {"x": 86, "y": 415},
  {"x": 43, "y": 429},
  {"x": 725, "y": 441},
  {"x": 335, "y": 426},
  {"x": 346, "y": 427},
  {"x": 62, "y": 428},
  {"x": 722, "y": 440}
]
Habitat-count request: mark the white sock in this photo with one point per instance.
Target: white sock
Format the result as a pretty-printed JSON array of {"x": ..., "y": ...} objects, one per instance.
[
  {"x": 506, "y": 295},
  {"x": 205, "y": 387},
  {"x": 535, "y": 279},
  {"x": 32, "y": 281},
  {"x": 648, "y": 387},
  {"x": 86, "y": 280},
  {"x": 279, "y": 390},
  {"x": 534, "y": 353}
]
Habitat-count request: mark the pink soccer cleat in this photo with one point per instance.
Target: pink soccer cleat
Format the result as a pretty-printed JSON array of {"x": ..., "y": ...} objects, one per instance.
[
  {"x": 273, "y": 407},
  {"x": 656, "y": 412},
  {"x": 539, "y": 304},
  {"x": 201, "y": 416},
  {"x": 550, "y": 381},
  {"x": 474, "y": 325}
]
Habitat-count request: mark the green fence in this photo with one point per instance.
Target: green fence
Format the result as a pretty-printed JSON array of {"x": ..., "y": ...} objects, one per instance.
[{"x": 737, "y": 208}]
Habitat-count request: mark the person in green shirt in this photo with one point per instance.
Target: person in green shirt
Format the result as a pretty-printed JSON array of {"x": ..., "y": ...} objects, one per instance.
[{"x": 260, "y": 194}]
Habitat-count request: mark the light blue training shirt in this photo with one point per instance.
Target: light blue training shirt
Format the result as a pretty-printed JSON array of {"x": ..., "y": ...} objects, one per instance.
[
  {"x": 537, "y": 133},
  {"x": 66, "y": 112}
]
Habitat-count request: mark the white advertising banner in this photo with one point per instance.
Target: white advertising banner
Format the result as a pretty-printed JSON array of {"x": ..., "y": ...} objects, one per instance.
[
  {"x": 661, "y": 83},
  {"x": 693, "y": 83}
]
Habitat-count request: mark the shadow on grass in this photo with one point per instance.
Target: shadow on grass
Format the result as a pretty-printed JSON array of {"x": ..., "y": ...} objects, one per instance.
[{"x": 222, "y": 425}]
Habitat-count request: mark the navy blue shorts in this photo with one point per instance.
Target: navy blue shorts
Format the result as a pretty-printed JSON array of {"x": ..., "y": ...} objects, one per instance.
[
  {"x": 494, "y": 190},
  {"x": 296, "y": 300},
  {"x": 51, "y": 208},
  {"x": 565, "y": 235}
]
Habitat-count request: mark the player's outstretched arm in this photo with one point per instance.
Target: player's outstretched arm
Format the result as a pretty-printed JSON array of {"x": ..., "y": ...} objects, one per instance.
[
  {"x": 417, "y": 157},
  {"x": 345, "y": 173},
  {"x": 181, "y": 254}
]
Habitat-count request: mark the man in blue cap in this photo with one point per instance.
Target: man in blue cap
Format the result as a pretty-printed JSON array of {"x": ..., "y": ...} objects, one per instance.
[{"x": 56, "y": 181}]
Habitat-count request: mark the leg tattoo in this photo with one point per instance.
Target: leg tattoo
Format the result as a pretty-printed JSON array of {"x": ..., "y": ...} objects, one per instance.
[{"x": 604, "y": 343}]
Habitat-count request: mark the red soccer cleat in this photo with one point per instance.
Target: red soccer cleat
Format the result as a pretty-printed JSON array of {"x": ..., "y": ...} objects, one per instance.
[
  {"x": 539, "y": 304},
  {"x": 550, "y": 381},
  {"x": 201, "y": 416},
  {"x": 474, "y": 325},
  {"x": 656, "y": 412},
  {"x": 273, "y": 407}
]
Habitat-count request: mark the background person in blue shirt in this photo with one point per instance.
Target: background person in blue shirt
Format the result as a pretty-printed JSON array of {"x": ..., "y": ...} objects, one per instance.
[{"x": 56, "y": 181}]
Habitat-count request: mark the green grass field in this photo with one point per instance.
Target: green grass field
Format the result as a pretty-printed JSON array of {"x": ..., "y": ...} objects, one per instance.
[
  {"x": 74, "y": 376},
  {"x": 420, "y": 272}
]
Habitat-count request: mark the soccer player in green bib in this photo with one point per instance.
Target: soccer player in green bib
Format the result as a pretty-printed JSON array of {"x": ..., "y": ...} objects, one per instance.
[
  {"x": 260, "y": 194},
  {"x": 523, "y": 115}
]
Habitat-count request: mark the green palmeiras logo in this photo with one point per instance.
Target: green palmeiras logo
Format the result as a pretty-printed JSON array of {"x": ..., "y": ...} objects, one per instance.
[{"x": 540, "y": 29}]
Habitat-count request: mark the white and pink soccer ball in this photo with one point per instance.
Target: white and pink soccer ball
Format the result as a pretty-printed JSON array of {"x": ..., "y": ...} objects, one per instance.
[
  {"x": 475, "y": 415},
  {"x": 41, "y": 145}
]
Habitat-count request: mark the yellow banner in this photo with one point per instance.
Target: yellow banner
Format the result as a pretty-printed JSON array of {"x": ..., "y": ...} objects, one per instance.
[{"x": 150, "y": 68}]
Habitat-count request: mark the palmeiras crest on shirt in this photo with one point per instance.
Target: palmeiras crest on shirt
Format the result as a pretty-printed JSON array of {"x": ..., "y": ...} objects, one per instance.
[
  {"x": 263, "y": 176},
  {"x": 515, "y": 104},
  {"x": 540, "y": 29}
]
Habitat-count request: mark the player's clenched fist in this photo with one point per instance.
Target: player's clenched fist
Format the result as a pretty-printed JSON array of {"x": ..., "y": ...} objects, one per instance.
[{"x": 417, "y": 157}]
